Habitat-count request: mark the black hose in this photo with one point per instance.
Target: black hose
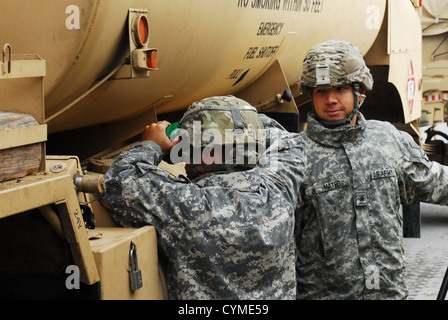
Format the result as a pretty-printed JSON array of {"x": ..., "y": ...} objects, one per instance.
[
  {"x": 431, "y": 133},
  {"x": 443, "y": 287}
]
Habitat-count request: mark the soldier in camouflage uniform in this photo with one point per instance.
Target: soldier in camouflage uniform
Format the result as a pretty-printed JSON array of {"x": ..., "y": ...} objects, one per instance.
[
  {"x": 358, "y": 172},
  {"x": 225, "y": 234}
]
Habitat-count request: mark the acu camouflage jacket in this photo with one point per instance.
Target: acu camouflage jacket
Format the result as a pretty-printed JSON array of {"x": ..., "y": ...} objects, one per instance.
[
  {"x": 349, "y": 231},
  {"x": 227, "y": 235}
]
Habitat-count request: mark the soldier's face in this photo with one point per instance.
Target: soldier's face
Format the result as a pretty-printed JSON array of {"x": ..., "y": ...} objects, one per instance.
[{"x": 334, "y": 103}]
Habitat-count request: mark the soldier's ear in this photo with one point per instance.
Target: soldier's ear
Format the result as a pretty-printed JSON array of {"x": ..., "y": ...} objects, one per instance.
[{"x": 363, "y": 92}]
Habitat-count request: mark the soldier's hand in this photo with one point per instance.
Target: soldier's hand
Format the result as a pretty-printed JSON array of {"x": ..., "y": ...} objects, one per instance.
[{"x": 156, "y": 133}]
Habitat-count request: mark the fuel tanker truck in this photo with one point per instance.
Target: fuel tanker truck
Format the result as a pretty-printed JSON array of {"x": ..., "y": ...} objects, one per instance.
[
  {"x": 435, "y": 79},
  {"x": 79, "y": 79}
]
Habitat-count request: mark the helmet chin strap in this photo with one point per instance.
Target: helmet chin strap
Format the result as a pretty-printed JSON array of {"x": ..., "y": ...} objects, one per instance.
[{"x": 341, "y": 122}]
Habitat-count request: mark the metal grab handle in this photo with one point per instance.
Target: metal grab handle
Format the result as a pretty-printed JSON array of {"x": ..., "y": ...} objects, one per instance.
[{"x": 5, "y": 47}]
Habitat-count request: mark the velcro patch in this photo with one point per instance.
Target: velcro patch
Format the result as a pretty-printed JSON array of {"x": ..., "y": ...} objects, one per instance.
[{"x": 382, "y": 173}]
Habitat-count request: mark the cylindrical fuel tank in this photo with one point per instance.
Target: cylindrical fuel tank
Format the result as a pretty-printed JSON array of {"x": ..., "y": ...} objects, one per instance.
[{"x": 205, "y": 48}]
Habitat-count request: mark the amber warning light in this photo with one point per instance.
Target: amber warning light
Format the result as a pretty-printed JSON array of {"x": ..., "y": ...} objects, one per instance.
[
  {"x": 152, "y": 59},
  {"x": 143, "y": 57},
  {"x": 141, "y": 31}
]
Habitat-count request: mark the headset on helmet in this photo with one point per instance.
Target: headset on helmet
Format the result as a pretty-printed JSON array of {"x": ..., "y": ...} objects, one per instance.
[{"x": 335, "y": 63}]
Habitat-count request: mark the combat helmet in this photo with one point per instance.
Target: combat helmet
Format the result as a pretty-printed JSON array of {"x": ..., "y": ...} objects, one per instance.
[
  {"x": 228, "y": 124},
  {"x": 335, "y": 63}
]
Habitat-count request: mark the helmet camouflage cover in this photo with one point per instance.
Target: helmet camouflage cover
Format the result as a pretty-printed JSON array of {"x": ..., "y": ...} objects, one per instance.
[
  {"x": 228, "y": 123},
  {"x": 335, "y": 63},
  {"x": 225, "y": 116}
]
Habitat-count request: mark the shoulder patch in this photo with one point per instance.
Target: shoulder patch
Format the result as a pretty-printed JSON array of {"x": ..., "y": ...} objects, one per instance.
[
  {"x": 418, "y": 153},
  {"x": 424, "y": 155}
]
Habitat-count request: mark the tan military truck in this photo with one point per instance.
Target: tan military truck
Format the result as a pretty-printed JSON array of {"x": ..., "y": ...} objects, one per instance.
[
  {"x": 435, "y": 79},
  {"x": 79, "y": 79}
]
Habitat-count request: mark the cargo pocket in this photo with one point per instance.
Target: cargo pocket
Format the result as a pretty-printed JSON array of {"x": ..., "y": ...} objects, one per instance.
[
  {"x": 332, "y": 197},
  {"x": 385, "y": 198}
]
